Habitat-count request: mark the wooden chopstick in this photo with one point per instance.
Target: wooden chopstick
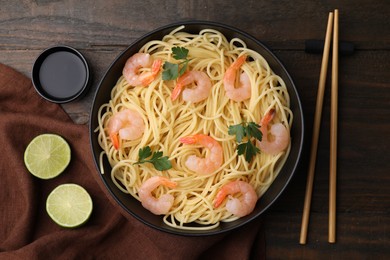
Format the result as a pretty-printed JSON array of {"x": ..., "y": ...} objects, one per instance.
[
  {"x": 333, "y": 132},
  {"x": 316, "y": 130}
]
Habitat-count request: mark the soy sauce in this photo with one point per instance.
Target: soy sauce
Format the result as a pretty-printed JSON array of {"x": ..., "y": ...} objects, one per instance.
[{"x": 62, "y": 74}]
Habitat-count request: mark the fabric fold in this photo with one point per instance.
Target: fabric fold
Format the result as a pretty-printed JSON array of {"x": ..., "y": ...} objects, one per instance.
[{"x": 27, "y": 232}]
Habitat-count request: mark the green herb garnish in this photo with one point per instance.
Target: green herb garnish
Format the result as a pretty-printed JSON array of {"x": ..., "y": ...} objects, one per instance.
[
  {"x": 173, "y": 70},
  {"x": 249, "y": 131},
  {"x": 159, "y": 162}
]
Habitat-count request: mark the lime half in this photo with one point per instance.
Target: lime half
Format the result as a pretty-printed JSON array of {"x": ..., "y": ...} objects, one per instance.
[
  {"x": 47, "y": 156},
  {"x": 69, "y": 205}
]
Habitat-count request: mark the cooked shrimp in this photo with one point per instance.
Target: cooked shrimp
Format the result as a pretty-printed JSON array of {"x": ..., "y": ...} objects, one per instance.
[
  {"x": 239, "y": 207},
  {"x": 200, "y": 92},
  {"x": 128, "y": 124},
  {"x": 243, "y": 91},
  {"x": 158, "y": 206},
  {"x": 204, "y": 165},
  {"x": 137, "y": 61},
  {"x": 281, "y": 137}
]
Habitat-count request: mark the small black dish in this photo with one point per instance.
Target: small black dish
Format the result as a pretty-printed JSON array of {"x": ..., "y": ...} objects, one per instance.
[{"x": 61, "y": 74}]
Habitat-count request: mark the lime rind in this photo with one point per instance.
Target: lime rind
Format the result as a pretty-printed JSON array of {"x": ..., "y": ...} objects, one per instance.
[{"x": 69, "y": 205}]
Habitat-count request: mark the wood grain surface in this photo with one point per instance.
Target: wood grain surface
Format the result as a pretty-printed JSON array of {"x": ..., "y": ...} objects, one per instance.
[{"x": 101, "y": 30}]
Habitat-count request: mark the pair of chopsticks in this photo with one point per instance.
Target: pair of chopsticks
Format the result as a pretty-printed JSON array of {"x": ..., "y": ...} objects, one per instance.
[{"x": 333, "y": 23}]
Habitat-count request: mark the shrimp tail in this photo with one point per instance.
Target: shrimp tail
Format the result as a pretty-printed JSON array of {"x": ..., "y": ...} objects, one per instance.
[
  {"x": 115, "y": 140},
  {"x": 181, "y": 82},
  {"x": 268, "y": 117},
  {"x": 176, "y": 92},
  {"x": 150, "y": 77},
  {"x": 238, "y": 63},
  {"x": 221, "y": 195},
  {"x": 168, "y": 183},
  {"x": 156, "y": 66},
  {"x": 191, "y": 139}
]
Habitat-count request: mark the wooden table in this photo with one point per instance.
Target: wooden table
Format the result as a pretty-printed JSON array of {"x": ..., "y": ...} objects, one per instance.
[{"x": 102, "y": 29}]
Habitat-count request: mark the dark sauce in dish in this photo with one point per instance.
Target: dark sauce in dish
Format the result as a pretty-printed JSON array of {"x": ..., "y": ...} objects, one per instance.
[{"x": 62, "y": 74}]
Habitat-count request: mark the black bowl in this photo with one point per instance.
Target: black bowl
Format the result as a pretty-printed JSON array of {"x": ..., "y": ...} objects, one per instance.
[{"x": 131, "y": 205}]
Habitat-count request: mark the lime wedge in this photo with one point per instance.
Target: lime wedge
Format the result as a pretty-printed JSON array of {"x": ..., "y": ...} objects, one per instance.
[
  {"x": 69, "y": 205},
  {"x": 47, "y": 155}
]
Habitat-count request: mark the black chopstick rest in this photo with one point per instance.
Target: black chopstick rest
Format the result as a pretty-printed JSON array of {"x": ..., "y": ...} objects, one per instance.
[{"x": 317, "y": 46}]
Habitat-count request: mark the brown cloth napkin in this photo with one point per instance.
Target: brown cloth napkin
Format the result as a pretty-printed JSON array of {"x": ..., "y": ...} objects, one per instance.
[{"x": 27, "y": 232}]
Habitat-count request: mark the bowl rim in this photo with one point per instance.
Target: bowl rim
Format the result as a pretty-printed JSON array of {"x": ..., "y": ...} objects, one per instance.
[{"x": 295, "y": 163}]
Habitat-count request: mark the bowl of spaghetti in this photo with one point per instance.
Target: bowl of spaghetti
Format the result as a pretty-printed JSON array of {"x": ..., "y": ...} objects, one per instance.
[{"x": 196, "y": 128}]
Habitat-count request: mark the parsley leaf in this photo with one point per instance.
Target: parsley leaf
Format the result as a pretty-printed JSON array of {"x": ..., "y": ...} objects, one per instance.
[
  {"x": 183, "y": 68},
  {"x": 251, "y": 150},
  {"x": 162, "y": 163},
  {"x": 144, "y": 152},
  {"x": 246, "y": 130},
  {"x": 159, "y": 161},
  {"x": 238, "y": 130},
  {"x": 253, "y": 129},
  {"x": 241, "y": 148},
  {"x": 173, "y": 71},
  {"x": 179, "y": 53},
  {"x": 248, "y": 150}
]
